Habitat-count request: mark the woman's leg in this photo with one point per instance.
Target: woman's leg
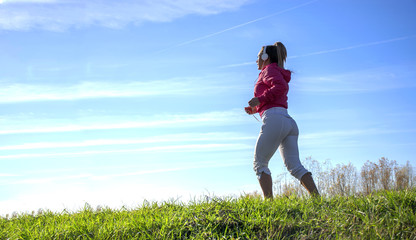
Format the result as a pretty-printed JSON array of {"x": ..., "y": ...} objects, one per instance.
[
  {"x": 270, "y": 136},
  {"x": 290, "y": 153}
]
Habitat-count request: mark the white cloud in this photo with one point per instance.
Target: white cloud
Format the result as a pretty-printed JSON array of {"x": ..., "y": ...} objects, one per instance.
[
  {"x": 194, "y": 137},
  {"x": 89, "y": 176},
  {"x": 313, "y": 137},
  {"x": 18, "y": 92},
  {"x": 353, "y": 138},
  {"x": 19, "y": 125},
  {"x": 8, "y": 175},
  {"x": 361, "y": 81},
  {"x": 60, "y": 15},
  {"x": 238, "y": 64},
  {"x": 369, "y": 44},
  {"x": 27, "y": 1},
  {"x": 356, "y": 46},
  {"x": 43, "y": 180},
  {"x": 172, "y": 148},
  {"x": 240, "y": 25}
]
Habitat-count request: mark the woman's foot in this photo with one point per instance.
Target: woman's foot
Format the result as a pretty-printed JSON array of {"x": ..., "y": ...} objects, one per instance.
[
  {"x": 266, "y": 184},
  {"x": 309, "y": 184}
]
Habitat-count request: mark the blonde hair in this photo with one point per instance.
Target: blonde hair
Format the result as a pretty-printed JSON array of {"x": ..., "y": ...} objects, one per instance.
[{"x": 277, "y": 53}]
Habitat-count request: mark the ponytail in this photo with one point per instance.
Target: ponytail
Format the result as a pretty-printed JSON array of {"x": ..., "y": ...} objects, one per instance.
[
  {"x": 281, "y": 54},
  {"x": 277, "y": 53}
]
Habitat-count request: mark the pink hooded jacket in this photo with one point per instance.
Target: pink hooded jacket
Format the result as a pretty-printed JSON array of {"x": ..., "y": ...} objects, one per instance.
[{"x": 272, "y": 87}]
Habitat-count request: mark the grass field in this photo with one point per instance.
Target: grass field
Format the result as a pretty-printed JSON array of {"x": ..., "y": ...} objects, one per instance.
[{"x": 382, "y": 215}]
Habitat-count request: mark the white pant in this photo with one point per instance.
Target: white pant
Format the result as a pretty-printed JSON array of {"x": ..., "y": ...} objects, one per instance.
[{"x": 279, "y": 130}]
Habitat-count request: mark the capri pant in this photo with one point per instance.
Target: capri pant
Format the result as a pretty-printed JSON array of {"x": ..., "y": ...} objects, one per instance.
[{"x": 279, "y": 130}]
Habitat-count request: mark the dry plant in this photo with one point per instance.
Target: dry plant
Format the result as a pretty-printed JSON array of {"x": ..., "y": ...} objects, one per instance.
[
  {"x": 344, "y": 180},
  {"x": 369, "y": 177},
  {"x": 403, "y": 176},
  {"x": 386, "y": 167}
]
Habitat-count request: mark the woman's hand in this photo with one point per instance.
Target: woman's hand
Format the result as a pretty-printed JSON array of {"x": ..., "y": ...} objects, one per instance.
[
  {"x": 250, "y": 110},
  {"x": 254, "y": 102}
]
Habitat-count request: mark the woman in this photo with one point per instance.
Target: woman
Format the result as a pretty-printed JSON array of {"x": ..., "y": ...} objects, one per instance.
[{"x": 279, "y": 130}]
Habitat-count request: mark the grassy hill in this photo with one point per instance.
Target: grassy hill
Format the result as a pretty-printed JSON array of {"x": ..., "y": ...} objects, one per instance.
[{"x": 382, "y": 215}]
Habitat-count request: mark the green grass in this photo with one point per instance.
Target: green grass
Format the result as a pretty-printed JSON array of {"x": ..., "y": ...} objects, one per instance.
[{"x": 383, "y": 215}]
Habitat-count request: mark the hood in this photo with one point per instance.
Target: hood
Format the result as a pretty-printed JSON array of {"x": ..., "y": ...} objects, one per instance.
[
  {"x": 287, "y": 74},
  {"x": 273, "y": 68}
]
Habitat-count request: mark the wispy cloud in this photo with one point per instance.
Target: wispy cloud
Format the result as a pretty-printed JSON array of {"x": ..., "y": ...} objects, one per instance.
[
  {"x": 362, "y": 81},
  {"x": 2, "y": 175},
  {"x": 60, "y": 15},
  {"x": 369, "y": 44},
  {"x": 356, "y": 46},
  {"x": 41, "y": 180},
  {"x": 239, "y": 64},
  {"x": 21, "y": 125},
  {"x": 352, "y": 138},
  {"x": 99, "y": 177},
  {"x": 27, "y": 1},
  {"x": 210, "y": 147},
  {"x": 19, "y": 92},
  {"x": 237, "y": 26},
  {"x": 342, "y": 134},
  {"x": 176, "y": 138}
]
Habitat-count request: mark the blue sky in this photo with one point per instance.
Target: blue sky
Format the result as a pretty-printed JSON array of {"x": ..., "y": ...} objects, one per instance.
[{"x": 114, "y": 102}]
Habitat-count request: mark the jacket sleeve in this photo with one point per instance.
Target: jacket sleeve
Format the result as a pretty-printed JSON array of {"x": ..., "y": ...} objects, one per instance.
[{"x": 277, "y": 86}]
